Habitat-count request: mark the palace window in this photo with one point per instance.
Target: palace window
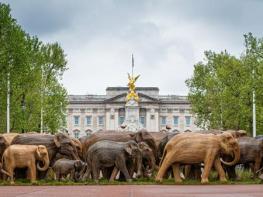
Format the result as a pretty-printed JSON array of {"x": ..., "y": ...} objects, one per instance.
[
  {"x": 76, "y": 120},
  {"x": 88, "y": 132},
  {"x": 142, "y": 120},
  {"x": 163, "y": 120},
  {"x": 121, "y": 120},
  {"x": 181, "y": 110},
  {"x": 101, "y": 120},
  {"x": 187, "y": 121},
  {"x": 88, "y": 120},
  {"x": 176, "y": 121},
  {"x": 76, "y": 133}
]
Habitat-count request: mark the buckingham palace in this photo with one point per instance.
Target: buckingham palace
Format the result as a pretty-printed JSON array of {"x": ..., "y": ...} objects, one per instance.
[{"x": 90, "y": 113}]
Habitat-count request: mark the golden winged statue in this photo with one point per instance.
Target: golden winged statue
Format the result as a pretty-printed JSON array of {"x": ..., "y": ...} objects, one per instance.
[{"x": 132, "y": 94}]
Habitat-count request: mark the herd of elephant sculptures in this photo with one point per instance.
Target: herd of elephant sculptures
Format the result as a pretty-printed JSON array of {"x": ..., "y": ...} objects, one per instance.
[{"x": 127, "y": 155}]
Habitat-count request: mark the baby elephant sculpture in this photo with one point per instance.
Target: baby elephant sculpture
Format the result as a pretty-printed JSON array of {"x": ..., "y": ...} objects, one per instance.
[
  {"x": 194, "y": 148},
  {"x": 75, "y": 168},
  {"x": 25, "y": 156}
]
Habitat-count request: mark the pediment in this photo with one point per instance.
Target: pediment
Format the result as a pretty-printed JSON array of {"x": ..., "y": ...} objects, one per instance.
[{"x": 122, "y": 98}]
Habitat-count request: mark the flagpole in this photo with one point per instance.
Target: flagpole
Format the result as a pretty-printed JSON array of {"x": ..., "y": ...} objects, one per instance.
[{"x": 132, "y": 64}]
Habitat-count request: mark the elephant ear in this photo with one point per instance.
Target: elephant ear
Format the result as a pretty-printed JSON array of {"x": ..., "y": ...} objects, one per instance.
[
  {"x": 128, "y": 149},
  {"x": 226, "y": 140},
  {"x": 3, "y": 141},
  {"x": 77, "y": 164},
  {"x": 57, "y": 141},
  {"x": 139, "y": 136},
  {"x": 40, "y": 151}
]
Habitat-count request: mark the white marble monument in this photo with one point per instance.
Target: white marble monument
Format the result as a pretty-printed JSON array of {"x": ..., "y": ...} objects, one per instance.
[{"x": 132, "y": 122}]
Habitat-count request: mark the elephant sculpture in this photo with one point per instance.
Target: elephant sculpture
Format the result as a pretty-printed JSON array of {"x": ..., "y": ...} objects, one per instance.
[
  {"x": 3, "y": 145},
  {"x": 162, "y": 144},
  {"x": 59, "y": 143},
  {"x": 144, "y": 163},
  {"x": 109, "y": 154},
  {"x": 63, "y": 167},
  {"x": 78, "y": 146},
  {"x": 55, "y": 144},
  {"x": 148, "y": 159},
  {"x": 5, "y": 141},
  {"x": 140, "y": 136},
  {"x": 194, "y": 148},
  {"x": 251, "y": 152},
  {"x": 25, "y": 156}
]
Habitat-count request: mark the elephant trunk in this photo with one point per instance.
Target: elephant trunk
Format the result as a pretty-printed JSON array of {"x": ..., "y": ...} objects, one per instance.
[
  {"x": 45, "y": 160},
  {"x": 139, "y": 164},
  {"x": 152, "y": 163},
  {"x": 236, "y": 157},
  {"x": 75, "y": 156}
]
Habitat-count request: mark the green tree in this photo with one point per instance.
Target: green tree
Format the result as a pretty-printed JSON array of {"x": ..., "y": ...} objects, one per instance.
[
  {"x": 35, "y": 70},
  {"x": 221, "y": 87}
]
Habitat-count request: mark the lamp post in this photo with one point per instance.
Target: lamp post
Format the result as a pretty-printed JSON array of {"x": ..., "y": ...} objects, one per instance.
[
  {"x": 254, "y": 109},
  {"x": 8, "y": 104},
  {"x": 23, "y": 106}
]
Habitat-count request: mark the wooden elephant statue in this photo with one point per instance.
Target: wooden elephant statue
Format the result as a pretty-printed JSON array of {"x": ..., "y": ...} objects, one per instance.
[
  {"x": 63, "y": 167},
  {"x": 195, "y": 148},
  {"x": 25, "y": 156}
]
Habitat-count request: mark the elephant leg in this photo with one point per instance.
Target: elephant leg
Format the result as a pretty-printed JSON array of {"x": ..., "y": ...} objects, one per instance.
[
  {"x": 58, "y": 175},
  {"x": 208, "y": 165},
  {"x": 87, "y": 174},
  {"x": 256, "y": 166},
  {"x": 95, "y": 171},
  {"x": 220, "y": 170},
  {"x": 10, "y": 170},
  {"x": 72, "y": 175},
  {"x": 197, "y": 171},
  {"x": 131, "y": 170},
  {"x": 176, "y": 172},
  {"x": 114, "y": 174},
  {"x": 187, "y": 169},
  {"x": 106, "y": 172},
  {"x": 165, "y": 165},
  {"x": 32, "y": 172},
  {"x": 121, "y": 164},
  {"x": 231, "y": 172}
]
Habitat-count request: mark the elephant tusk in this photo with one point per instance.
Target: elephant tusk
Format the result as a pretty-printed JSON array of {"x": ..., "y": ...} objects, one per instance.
[
  {"x": 5, "y": 172},
  {"x": 259, "y": 170}
]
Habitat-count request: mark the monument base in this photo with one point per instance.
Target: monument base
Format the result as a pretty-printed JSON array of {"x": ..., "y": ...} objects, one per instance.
[{"x": 132, "y": 111}]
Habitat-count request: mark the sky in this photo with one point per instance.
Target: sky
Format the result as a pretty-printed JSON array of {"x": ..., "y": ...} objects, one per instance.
[{"x": 167, "y": 37}]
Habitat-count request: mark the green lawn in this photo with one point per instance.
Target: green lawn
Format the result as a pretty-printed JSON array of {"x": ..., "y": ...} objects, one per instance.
[{"x": 245, "y": 179}]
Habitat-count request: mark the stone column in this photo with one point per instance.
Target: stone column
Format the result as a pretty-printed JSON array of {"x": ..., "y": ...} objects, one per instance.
[
  {"x": 94, "y": 119},
  {"x": 149, "y": 126},
  {"x": 157, "y": 120},
  {"x": 116, "y": 119}
]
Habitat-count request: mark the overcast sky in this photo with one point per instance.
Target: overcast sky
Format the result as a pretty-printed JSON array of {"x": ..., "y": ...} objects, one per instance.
[{"x": 167, "y": 37}]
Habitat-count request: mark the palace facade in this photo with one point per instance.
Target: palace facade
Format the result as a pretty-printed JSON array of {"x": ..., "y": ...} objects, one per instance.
[{"x": 90, "y": 113}]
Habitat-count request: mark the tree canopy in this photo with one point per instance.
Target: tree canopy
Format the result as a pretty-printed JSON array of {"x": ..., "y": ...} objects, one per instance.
[
  {"x": 35, "y": 69},
  {"x": 222, "y": 86}
]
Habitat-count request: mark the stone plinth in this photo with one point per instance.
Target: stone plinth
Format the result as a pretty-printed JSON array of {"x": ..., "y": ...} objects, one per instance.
[{"x": 132, "y": 116}]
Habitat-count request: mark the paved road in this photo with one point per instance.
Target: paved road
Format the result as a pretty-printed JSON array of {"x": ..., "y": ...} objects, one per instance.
[{"x": 134, "y": 190}]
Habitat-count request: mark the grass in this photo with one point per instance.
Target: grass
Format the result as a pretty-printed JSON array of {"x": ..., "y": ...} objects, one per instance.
[{"x": 245, "y": 179}]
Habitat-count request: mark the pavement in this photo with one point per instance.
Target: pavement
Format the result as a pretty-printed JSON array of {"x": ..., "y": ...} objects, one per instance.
[{"x": 134, "y": 191}]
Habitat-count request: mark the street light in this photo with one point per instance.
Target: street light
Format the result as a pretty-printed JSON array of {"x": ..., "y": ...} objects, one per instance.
[{"x": 23, "y": 106}]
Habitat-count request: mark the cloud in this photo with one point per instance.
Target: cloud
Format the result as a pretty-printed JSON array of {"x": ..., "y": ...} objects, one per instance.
[{"x": 167, "y": 37}]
